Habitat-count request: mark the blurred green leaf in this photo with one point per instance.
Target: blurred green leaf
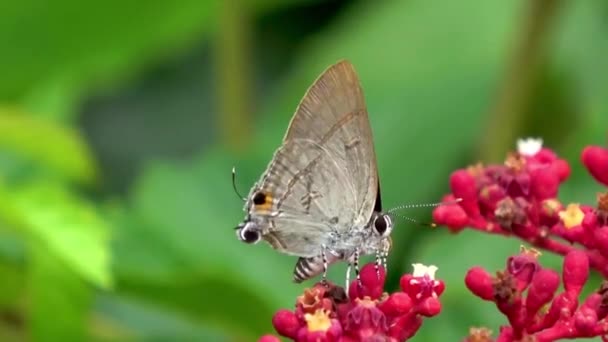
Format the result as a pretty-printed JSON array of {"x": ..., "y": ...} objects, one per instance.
[
  {"x": 216, "y": 301},
  {"x": 81, "y": 48},
  {"x": 120, "y": 318},
  {"x": 56, "y": 147},
  {"x": 183, "y": 209},
  {"x": 67, "y": 225},
  {"x": 80, "y": 45},
  {"x": 11, "y": 288},
  {"x": 60, "y": 299}
]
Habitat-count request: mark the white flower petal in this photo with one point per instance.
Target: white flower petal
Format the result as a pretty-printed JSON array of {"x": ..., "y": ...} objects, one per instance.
[
  {"x": 529, "y": 146},
  {"x": 421, "y": 270}
]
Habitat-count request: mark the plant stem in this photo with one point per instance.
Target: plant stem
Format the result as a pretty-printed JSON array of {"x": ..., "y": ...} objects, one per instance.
[
  {"x": 507, "y": 116},
  {"x": 234, "y": 83}
]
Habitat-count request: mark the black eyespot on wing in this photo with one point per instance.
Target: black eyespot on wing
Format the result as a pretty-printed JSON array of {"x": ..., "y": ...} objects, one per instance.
[
  {"x": 259, "y": 198},
  {"x": 380, "y": 224}
]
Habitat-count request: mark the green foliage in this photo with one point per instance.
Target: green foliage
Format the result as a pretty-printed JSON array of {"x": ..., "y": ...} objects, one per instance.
[{"x": 159, "y": 261}]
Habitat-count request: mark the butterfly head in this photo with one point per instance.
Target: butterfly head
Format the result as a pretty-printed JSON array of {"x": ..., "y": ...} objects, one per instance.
[{"x": 382, "y": 225}]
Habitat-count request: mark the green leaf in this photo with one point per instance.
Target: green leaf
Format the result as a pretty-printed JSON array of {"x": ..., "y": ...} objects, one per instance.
[
  {"x": 189, "y": 216},
  {"x": 88, "y": 48},
  {"x": 60, "y": 299},
  {"x": 67, "y": 225},
  {"x": 120, "y": 318},
  {"x": 54, "y": 147}
]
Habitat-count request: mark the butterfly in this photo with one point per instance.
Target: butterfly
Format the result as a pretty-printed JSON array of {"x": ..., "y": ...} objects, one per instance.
[{"x": 319, "y": 198}]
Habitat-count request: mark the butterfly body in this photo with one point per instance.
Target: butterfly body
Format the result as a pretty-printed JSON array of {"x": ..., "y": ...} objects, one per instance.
[{"x": 319, "y": 197}]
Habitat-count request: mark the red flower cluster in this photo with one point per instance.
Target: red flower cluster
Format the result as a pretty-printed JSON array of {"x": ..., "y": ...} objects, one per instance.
[
  {"x": 519, "y": 198},
  {"x": 525, "y": 293},
  {"x": 324, "y": 312}
]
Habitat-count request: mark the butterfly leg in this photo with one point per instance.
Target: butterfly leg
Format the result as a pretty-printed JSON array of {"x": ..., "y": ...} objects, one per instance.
[
  {"x": 347, "y": 277},
  {"x": 356, "y": 265},
  {"x": 379, "y": 255},
  {"x": 385, "y": 260},
  {"x": 324, "y": 259}
]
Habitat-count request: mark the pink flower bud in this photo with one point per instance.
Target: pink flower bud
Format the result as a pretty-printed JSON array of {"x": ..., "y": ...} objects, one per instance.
[
  {"x": 544, "y": 183},
  {"x": 439, "y": 287},
  {"x": 429, "y": 307},
  {"x": 562, "y": 169},
  {"x": 372, "y": 283},
  {"x": 595, "y": 159},
  {"x": 269, "y": 338},
  {"x": 450, "y": 215},
  {"x": 590, "y": 221},
  {"x": 405, "y": 327},
  {"x": 575, "y": 272},
  {"x": 545, "y": 156},
  {"x": 286, "y": 323},
  {"x": 563, "y": 306},
  {"x": 505, "y": 335},
  {"x": 585, "y": 319},
  {"x": 396, "y": 304},
  {"x": 541, "y": 290},
  {"x": 463, "y": 186},
  {"x": 479, "y": 281},
  {"x": 601, "y": 240}
]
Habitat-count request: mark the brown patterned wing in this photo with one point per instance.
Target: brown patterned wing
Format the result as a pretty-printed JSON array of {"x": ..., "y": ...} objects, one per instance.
[{"x": 323, "y": 180}]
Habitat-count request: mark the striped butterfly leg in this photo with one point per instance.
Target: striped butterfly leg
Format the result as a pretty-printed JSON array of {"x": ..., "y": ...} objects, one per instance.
[
  {"x": 381, "y": 260},
  {"x": 355, "y": 265},
  {"x": 379, "y": 255}
]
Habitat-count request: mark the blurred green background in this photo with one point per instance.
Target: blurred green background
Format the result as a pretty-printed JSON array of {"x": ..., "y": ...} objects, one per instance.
[{"x": 120, "y": 123}]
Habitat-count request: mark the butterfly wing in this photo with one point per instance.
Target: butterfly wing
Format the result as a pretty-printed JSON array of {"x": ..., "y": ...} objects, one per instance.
[{"x": 323, "y": 179}]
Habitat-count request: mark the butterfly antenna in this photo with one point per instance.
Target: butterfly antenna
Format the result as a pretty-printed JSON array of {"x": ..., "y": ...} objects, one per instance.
[
  {"x": 426, "y": 224},
  {"x": 236, "y": 191},
  {"x": 423, "y": 205}
]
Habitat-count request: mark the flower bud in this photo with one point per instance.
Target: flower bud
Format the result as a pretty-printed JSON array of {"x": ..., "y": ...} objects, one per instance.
[
  {"x": 575, "y": 272},
  {"x": 595, "y": 159},
  {"x": 463, "y": 186},
  {"x": 286, "y": 323},
  {"x": 541, "y": 290},
  {"x": 479, "y": 281},
  {"x": 450, "y": 215}
]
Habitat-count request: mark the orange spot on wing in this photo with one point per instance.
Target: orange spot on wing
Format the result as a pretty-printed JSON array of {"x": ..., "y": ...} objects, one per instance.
[{"x": 267, "y": 205}]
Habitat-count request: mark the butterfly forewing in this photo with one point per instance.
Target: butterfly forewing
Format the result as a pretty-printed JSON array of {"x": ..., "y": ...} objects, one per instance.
[
  {"x": 334, "y": 115},
  {"x": 323, "y": 179}
]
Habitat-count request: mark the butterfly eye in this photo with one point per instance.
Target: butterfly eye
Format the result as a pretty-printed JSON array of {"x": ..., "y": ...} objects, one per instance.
[
  {"x": 383, "y": 225},
  {"x": 248, "y": 233}
]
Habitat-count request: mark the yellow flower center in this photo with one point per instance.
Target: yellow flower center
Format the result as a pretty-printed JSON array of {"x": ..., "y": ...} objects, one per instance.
[
  {"x": 572, "y": 216},
  {"x": 319, "y": 321}
]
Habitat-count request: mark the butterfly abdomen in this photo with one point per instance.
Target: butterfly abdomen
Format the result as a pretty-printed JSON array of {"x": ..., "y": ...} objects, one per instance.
[{"x": 307, "y": 268}]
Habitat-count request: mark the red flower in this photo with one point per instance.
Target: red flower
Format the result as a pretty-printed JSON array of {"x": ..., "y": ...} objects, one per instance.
[
  {"x": 519, "y": 198},
  {"x": 523, "y": 305},
  {"x": 323, "y": 313}
]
